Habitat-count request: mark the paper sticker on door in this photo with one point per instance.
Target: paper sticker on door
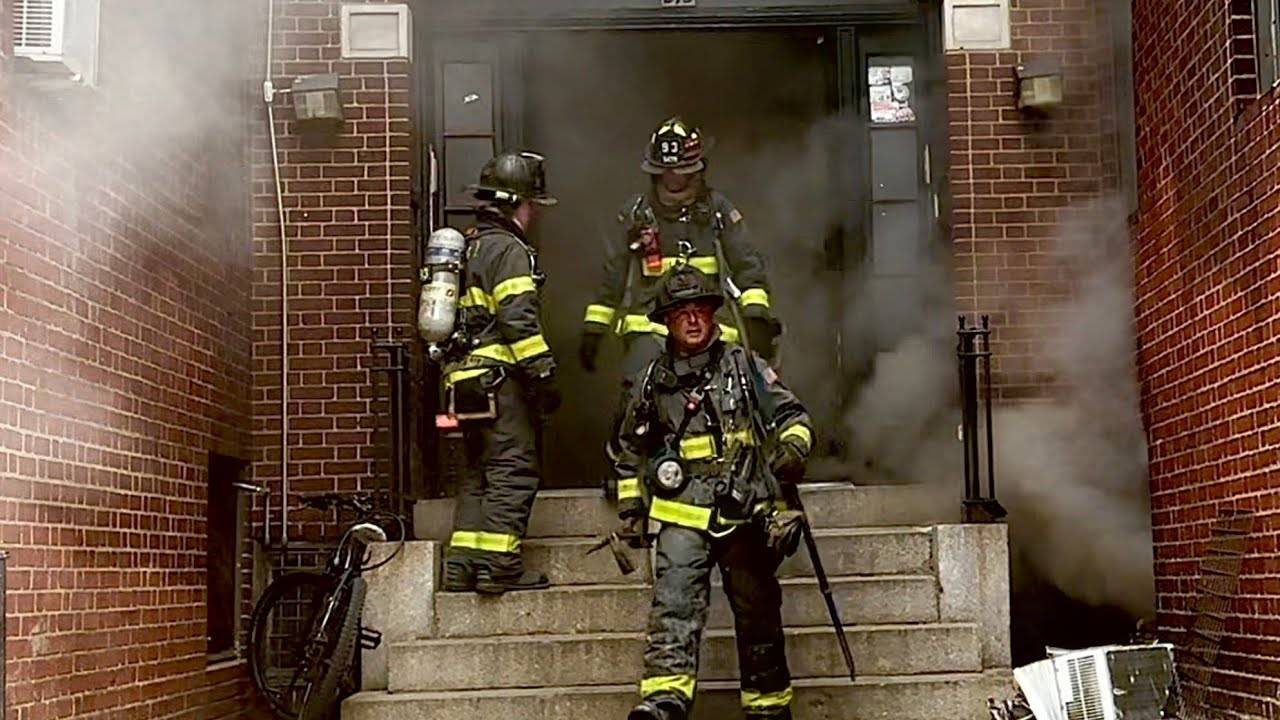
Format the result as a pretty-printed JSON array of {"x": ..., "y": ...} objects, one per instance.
[{"x": 890, "y": 93}]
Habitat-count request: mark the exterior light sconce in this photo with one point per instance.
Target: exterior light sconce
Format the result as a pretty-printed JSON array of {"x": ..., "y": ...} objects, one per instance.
[
  {"x": 1039, "y": 88},
  {"x": 317, "y": 107}
]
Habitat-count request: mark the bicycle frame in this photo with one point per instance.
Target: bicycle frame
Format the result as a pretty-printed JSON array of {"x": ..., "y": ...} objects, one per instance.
[{"x": 347, "y": 562}]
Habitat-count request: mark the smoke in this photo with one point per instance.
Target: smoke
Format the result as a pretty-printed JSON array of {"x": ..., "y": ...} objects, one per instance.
[{"x": 1072, "y": 469}]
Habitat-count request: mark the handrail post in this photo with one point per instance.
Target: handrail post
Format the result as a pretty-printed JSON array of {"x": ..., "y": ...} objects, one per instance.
[{"x": 973, "y": 348}]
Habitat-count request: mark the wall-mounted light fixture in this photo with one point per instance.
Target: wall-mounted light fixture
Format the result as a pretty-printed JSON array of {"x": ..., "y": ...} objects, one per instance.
[
  {"x": 1039, "y": 87},
  {"x": 316, "y": 103}
]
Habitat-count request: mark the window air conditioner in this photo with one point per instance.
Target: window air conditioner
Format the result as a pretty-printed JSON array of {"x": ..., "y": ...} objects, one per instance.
[
  {"x": 1114, "y": 682},
  {"x": 57, "y": 38}
]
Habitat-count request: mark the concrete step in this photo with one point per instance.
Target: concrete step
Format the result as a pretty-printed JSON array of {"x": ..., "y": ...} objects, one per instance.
[
  {"x": 616, "y": 658},
  {"x": 570, "y": 513},
  {"x": 960, "y": 696},
  {"x": 845, "y": 551},
  {"x": 625, "y": 608}
]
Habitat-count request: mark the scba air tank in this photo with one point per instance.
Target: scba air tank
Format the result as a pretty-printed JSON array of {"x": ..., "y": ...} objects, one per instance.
[{"x": 438, "y": 307}]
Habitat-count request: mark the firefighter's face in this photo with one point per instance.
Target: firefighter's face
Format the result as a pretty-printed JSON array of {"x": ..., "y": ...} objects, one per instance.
[
  {"x": 692, "y": 325},
  {"x": 674, "y": 182},
  {"x": 527, "y": 214}
]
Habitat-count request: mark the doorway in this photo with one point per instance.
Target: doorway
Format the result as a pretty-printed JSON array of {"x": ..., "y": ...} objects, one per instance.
[{"x": 817, "y": 140}]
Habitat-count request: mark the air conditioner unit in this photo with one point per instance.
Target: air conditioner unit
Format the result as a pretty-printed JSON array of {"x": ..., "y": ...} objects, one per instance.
[
  {"x": 1113, "y": 682},
  {"x": 57, "y": 38}
]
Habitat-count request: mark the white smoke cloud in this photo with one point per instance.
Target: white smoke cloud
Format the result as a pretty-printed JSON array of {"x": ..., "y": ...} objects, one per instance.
[{"x": 1071, "y": 470}]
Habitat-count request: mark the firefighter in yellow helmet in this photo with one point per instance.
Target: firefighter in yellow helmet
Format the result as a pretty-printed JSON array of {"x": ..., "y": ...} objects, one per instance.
[{"x": 679, "y": 211}]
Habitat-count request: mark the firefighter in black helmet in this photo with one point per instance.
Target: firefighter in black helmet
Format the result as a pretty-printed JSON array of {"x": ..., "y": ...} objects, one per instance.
[
  {"x": 502, "y": 381},
  {"x": 708, "y": 436},
  {"x": 678, "y": 207}
]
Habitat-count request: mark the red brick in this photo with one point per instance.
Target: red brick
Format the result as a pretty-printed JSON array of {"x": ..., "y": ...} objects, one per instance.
[
  {"x": 126, "y": 359},
  {"x": 1207, "y": 340}
]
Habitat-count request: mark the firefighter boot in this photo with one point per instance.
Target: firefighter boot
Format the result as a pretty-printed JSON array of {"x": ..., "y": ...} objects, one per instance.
[
  {"x": 658, "y": 709},
  {"x": 489, "y": 583},
  {"x": 459, "y": 575}
]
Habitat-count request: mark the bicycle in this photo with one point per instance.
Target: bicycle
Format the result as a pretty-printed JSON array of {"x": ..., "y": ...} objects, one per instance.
[{"x": 319, "y": 634}]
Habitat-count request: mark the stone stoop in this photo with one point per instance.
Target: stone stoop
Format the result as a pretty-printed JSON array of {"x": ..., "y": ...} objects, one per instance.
[{"x": 925, "y": 606}]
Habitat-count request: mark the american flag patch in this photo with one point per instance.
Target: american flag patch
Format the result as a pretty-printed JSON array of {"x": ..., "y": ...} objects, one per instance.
[
  {"x": 770, "y": 376},
  {"x": 735, "y": 216}
]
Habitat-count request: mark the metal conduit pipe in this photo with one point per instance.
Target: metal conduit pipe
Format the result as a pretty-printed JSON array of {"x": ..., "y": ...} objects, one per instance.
[{"x": 268, "y": 96}]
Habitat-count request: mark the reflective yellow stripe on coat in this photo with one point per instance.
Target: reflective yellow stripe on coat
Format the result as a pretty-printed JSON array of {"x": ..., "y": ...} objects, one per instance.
[
  {"x": 629, "y": 489},
  {"x": 682, "y": 514}
]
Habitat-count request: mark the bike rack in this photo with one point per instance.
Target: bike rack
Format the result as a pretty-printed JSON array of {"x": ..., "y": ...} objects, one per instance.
[{"x": 974, "y": 347}]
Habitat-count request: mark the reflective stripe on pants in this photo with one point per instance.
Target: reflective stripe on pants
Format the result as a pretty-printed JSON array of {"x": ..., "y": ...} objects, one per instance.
[
  {"x": 681, "y": 596},
  {"x": 497, "y": 488}
]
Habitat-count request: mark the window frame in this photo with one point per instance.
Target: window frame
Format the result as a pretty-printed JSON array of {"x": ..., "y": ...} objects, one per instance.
[{"x": 1266, "y": 21}]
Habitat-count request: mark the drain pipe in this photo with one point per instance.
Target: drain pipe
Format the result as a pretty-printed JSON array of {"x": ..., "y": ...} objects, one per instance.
[
  {"x": 268, "y": 97},
  {"x": 4, "y": 633}
]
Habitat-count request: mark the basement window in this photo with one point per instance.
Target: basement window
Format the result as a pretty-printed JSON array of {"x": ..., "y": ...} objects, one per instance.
[
  {"x": 1266, "y": 15},
  {"x": 224, "y": 524},
  {"x": 55, "y": 42}
]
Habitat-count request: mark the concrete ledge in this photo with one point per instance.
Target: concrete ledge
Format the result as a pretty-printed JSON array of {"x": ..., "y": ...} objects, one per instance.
[
  {"x": 625, "y": 608},
  {"x": 961, "y": 696},
  {"x": 400, "y": 603},
  {"x": 973, "y": 575},
  {"x": 614, "y": 658}
]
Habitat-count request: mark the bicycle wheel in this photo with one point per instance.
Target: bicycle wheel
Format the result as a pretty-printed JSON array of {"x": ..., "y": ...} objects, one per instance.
[
  {"x": 278, "y": 632},
  {"x": 340, "y": 634}
]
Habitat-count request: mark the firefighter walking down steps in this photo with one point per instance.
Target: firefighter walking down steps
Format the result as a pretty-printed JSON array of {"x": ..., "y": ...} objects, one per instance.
[
  {"x": 678, "y": 207},
  {"x": 501, "y": 378},
  {"x": 708, "y": 438}
]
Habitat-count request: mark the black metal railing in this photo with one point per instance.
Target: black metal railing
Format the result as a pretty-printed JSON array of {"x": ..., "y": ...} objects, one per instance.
[
  {"x": 395, "y": 430},
  {"x": 973, "y": 349}
]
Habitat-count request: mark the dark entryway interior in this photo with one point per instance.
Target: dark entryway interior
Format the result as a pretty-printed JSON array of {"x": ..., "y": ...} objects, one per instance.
[{"x": 591, "y": 100}]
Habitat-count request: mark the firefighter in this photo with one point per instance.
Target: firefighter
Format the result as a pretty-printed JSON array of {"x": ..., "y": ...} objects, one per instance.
[
  {"x": 678, "y": 207},
  {"x": 708, "y": 438},
  {"x": 502, "y": 379}
]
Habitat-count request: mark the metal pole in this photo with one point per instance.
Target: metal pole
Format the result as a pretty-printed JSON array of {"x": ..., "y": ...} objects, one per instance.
[
  {"x": 4, "y": 633},
  {"x": 986, "y": 359}
]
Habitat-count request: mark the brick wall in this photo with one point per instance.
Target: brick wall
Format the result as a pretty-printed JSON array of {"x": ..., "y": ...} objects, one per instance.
[
  {"x": 124, "y": 360},
  {"x": 1011, "y": 179},
  {"x": 349, "y": 225},
  {"x": 1207, "y": 279}
]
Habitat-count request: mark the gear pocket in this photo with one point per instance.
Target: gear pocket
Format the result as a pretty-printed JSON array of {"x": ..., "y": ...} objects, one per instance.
[{"x": 475, "y": 397}]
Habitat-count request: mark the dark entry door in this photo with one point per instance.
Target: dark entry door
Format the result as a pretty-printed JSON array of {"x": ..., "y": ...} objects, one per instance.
[{"x": 789, "y": 110}]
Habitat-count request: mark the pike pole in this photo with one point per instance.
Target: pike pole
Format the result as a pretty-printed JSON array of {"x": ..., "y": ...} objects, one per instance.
[{"x": 790, "y": 492}]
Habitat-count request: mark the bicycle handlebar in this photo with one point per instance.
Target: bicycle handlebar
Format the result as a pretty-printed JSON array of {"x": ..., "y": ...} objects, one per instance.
[{"x": 361, "y": 503}]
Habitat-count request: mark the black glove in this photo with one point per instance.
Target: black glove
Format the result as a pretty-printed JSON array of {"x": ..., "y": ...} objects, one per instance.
[
  {"x": 546, "y": 397},
  {"x": 788, "y": 462},
  {"x": 633, "y": 529},
  {"x": 761, "y": 332},
  {"x": 588, "y": 348}
]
